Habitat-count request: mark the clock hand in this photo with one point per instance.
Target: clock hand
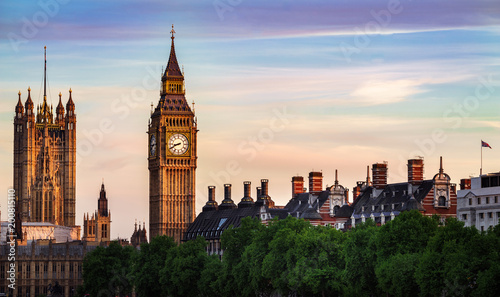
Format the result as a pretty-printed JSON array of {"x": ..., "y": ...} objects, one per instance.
[{"x": 175, "y": 145}]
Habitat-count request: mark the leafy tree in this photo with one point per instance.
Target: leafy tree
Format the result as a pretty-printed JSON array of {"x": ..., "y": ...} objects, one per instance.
[
  {"x": 106, "y": 271},
  {"x": 360, "y": 258},
  {"x": 207, "y": 284},
  {"x": 408, "y": 233},
  {"x": 452, "y": 260},
  {"x": 396, "y": 274},
  {"x": 487, "y": 279},
  {"x": 315, "y": 263},
  {"x": 401, "y": 242},
  {"x": 281, "y": 258},
  {"x": 234, "y": 278},
  {"x": 183, "y": 267},
  {"x": 148, "y": 263}
]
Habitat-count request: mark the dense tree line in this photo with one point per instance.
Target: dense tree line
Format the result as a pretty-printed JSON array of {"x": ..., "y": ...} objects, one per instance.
[{"x": 412, "y": 255}]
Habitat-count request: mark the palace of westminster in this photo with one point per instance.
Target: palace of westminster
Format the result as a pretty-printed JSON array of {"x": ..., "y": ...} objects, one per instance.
[{"x": 50, "y": 246}]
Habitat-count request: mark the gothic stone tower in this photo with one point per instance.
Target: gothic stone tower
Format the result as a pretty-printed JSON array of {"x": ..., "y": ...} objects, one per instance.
[
  {"x": 44, "y": 161},
  {"x": 172, "y": 156},
  {"x": 98, "y": 227}
]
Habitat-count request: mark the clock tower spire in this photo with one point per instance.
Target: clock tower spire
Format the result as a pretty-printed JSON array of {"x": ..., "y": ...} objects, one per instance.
[{"x": 172, "y": 156}]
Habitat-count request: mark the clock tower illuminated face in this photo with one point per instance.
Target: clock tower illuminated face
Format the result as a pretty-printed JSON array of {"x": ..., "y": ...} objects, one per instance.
[
  {"x": 172, "y": 157},
  {"x": 178, "y": 144}
]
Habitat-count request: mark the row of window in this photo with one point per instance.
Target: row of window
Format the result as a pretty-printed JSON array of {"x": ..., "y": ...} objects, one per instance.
[
  {"x": 57, "y": 269},
  {"x": 19, "y": 128},
  {"x": 39, "y": 290},
  {"x": 393, "y": 206},
  {"x": 487, "y": 200},
  {"x": 176, "y": 122},
  {"x": 481, "y": 215}
]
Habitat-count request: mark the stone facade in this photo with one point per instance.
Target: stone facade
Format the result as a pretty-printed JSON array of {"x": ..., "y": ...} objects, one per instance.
[
  {"x": 44, "y": 161},
  {"x": 40, "y": 264},
  {"x": 479, "y": 201},
  {"x": 98, "y": 226}
]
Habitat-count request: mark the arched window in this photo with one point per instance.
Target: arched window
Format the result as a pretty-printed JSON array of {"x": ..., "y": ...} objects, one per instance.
[
  {"x": 442, "y": 201},
  {"x": 335, "y": 209}
]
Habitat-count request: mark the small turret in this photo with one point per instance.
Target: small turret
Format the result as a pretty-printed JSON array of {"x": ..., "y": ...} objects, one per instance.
[
  {"x": 103, "y": 202},
  {"x": 29, "y": 103},
  {"x": 19, "y": 107},
  {"x": 70, "y": 106},
  {"x": 60, "y": 111}
]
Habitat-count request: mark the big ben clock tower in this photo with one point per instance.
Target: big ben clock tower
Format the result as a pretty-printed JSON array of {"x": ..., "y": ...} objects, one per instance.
[{"x": 172, "y": 156}]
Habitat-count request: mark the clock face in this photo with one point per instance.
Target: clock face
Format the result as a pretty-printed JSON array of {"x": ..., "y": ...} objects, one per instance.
[
  {"x": 178, "y": 144},
  {"x": 152, "y": 145}
]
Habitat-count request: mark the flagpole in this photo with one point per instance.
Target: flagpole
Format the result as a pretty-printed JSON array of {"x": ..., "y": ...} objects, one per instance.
[{"x": 481, "y": 170}]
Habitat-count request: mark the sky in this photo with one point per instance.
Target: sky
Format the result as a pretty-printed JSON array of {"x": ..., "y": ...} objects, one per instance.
[{"x": 281, "y": 88}]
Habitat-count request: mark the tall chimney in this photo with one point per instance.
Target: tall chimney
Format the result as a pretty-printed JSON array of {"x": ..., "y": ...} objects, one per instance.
[
  {"x": 264, "y": 198},
  {"x": 227, "y": 192},
  {"x": 246, "y": 201},
  {"x": 211, "y": 203},
  {"x": 246, "y": 188},
  {"x": 264, "y": 187},
  {"x": 297, "y": 185},
  {"x": 315, "y": 182},
  {"x": 465, "y": 184},
  {"x": 379, "y": 173},
  {"x": 415, "y": 171},
  {"x": 227, "y": 203},
  {"x": 211, "y": 193},
  {"x": 356, "y": 191}
]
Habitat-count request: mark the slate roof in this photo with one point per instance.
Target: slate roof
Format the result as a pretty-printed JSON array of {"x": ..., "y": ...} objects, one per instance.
[
  {"x": 174, "y": 103},
  {"x": 403, "y": 196},
  {"x": 211, "y": 224},
  {"x": 172, "y": 65},
  {"x": 301, "y": 202}
]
